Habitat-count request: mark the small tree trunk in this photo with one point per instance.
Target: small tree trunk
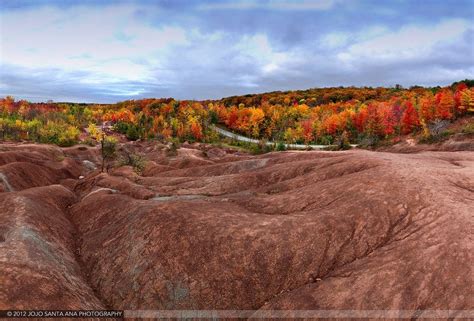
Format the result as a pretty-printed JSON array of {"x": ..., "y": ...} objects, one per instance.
[{"x": 102, "y": 153}]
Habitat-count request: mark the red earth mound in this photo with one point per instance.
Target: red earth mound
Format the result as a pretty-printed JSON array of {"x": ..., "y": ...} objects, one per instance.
[
  {"x": 39, "y": 268},
  {"x": 208, "y": 228}
]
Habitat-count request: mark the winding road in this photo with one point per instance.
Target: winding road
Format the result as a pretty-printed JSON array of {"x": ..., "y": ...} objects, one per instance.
[{"x": 241, "y": 138}]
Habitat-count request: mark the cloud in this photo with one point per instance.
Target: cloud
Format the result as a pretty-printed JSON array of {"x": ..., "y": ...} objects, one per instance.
[
  {"x": 60, "y": 85},
  {"x": 335, "y": 39},
  {"x": 108, "y": 42},
  {"x": 408, "y": 42},
  {"x": 269, "y": 5},
  {"x": 94, "y": 51}
]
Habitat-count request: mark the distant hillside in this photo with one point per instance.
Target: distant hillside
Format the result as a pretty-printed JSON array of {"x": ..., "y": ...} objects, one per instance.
[{"x": 314, "y": 116}]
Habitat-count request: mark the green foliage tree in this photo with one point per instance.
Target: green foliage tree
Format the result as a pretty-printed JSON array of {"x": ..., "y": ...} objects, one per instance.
[{"x": 108, "y": 149}]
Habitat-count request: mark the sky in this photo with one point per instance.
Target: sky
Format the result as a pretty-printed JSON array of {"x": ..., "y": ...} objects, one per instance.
[{"x": 108, "y": 51}]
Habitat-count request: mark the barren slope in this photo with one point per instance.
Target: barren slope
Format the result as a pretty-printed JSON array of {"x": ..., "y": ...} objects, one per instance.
[{"x": 210, "y": 229}]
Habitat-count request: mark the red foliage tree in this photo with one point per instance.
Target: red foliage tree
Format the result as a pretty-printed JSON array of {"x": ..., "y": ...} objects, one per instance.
[
  {"x": 445, "y": 104},
  {"x": 428, "y": 108},
  {"x": 307, "y": 126},
  {"x": 360, "y": 119},
  {"x": 458, "y": 98},
  {"x": 373, "y": 126},
  {"x": 232, "y": 117},
  {"x": 410, "y": 118},
  {"x": 196, "y": 130}
]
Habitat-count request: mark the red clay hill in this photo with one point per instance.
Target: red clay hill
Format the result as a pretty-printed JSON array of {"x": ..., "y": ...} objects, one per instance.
[{"x": 212, "y": 228}]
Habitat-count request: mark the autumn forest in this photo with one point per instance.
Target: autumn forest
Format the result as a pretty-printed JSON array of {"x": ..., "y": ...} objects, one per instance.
[{"x": 319, "y": 116}]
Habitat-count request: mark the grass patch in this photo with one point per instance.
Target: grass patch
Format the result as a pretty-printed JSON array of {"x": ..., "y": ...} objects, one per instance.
[
  {"x": 468, "y": 129},
  {"x": 433, "y": 139}
]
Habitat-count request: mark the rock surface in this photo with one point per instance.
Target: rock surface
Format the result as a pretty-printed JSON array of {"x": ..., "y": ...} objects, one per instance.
[{"x": 210, "y": 228}]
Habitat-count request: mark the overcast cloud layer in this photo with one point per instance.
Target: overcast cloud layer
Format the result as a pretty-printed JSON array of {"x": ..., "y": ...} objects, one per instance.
[{"x": 107, "y": 51}]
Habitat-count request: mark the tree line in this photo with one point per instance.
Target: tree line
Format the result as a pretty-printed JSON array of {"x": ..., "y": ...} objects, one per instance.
[{"x": 316, "y": 116}]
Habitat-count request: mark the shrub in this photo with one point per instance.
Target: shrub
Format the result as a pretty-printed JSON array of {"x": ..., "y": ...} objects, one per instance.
[
  {"x": 213, "y": 117},
  {"x": 369, "y": 141},
  {"x": 108, "y": 146},
  {"x": 59, "y": 134},
  {"x": 434, "y": 139},
  {"x": 173, "y": 147},
  {"x": 94, "y": 132},
  {"x": 89, "y": 141},
  {"x": 138, "y": 162},
  {"x": 326, "y": 140},
  {"x": 436, "y": 132},
  {"x": 132, "y": 132},
  {"x": 280, "y": 146},
  {"x": 255, "y": 149},
  {"x": 33, "y": 127},
  {"x": 343, "y": 141},
  {"x": 437, "y": 127},
  {"x": 261, "y": 147},
  {"x": 121, "y": 127},
  {"x": 468, "y": 129},
  {"x": 268, "y": 148},
  {"x": 69, "y": 137},
  {"x": 211, "y": 137}
]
